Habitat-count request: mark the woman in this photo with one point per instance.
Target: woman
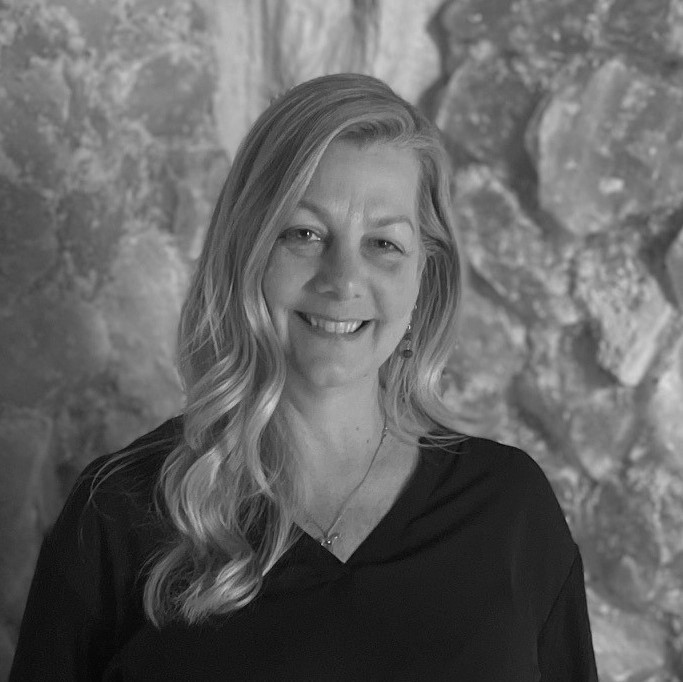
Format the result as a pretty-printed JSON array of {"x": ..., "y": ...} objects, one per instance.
[{"x": 314, "y": 514}]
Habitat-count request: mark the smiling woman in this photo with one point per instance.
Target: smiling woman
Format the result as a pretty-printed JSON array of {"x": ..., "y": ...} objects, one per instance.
[
  {"x": 339, "y": 278},
  {"x": 316, "y": 512}
]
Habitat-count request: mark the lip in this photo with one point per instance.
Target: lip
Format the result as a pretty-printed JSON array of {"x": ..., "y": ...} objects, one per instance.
[
  {"x": 331, "y": 319},
  {"x": 345, "y": 338}
]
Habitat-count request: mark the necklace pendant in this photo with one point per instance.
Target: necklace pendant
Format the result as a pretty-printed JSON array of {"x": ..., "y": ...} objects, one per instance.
[{"x": 327, "y": 540}]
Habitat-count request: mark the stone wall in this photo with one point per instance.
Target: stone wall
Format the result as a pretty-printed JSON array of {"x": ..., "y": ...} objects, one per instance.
[{"x": 118, "y": 119}]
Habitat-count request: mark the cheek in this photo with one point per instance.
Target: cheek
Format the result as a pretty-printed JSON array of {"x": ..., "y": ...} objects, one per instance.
[
  {"x": 278, "y": 281},
  {"x": 400, "y": 292}
]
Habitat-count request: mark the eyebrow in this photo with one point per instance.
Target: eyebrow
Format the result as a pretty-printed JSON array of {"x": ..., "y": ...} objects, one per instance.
[{"x": 326, "y": 216}]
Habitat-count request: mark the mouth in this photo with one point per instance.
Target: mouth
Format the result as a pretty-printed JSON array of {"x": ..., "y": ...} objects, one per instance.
[{"x": 333, "y": 328}]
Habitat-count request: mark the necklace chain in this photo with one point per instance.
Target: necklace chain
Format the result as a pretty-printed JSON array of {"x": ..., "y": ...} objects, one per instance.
[{"x": 328, "y": 537}]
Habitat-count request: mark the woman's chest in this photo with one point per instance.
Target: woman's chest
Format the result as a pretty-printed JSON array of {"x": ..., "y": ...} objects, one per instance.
[
  {"x": 343, "y": 524},
  {"x": 426, "y": 615}
]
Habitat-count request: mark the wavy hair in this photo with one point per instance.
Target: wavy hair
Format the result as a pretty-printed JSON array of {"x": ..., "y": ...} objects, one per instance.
[{"x": 230, "y": 487}]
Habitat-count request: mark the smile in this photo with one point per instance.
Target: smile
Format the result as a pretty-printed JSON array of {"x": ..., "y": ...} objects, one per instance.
[{"x": 332, "y": 327}]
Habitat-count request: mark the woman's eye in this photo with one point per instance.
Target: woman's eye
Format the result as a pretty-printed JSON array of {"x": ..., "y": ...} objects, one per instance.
[
  {"x": 300, "y": 234},
  {"x": 306, "y": 235},
  {"x": 386, "y": 245}
]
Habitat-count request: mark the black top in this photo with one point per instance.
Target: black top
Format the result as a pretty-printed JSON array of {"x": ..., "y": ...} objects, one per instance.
[{"x": 471, "y": 575}]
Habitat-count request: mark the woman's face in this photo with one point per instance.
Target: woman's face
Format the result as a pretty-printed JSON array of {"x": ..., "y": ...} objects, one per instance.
[{"x": 350, "y": 253}]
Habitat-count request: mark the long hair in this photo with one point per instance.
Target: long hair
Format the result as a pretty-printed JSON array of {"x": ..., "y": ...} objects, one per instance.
[{"x": 230, "y": 487}]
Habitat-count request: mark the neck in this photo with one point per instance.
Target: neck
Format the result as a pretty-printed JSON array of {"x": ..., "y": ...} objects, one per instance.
[{"x": 334, "y": 430}]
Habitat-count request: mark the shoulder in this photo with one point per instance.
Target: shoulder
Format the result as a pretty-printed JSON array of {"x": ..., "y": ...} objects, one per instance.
[
  {"x": 107, "y": 527},
  {"x": 506, "y": 496},
  {"x": 135, "y": 467},
  {"x": 508, "y": 482},
  {"x": 112, "y": 498},
  {"x": 483, "y": 456},
  {"x": 475, "y": 456},
  {"x": 521, "y": 475}
]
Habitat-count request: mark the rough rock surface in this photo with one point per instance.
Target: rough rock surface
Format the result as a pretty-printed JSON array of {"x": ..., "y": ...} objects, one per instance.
[
  {"x": 665, "y": 409},
  {"x": 653, "y": 28},
  {"x": 142, "y": 332},
  {"x": 674, "y": 265},
  {"x": 627, "y": 647},
  {"x": 626, "y": 306},
  {"x": 508, "y": 250},
  {"x": 586, "y": 417},
  {"x": 544, "y": 35},
  {"x": 484, "y": 107},
  {"x": 117, "y": 123},
  {"x": 28, "y": 240},
  {"x": 489, "y": 353},
  {"x": 609, "y": 145},
  {"x": 637, "y": 559}
]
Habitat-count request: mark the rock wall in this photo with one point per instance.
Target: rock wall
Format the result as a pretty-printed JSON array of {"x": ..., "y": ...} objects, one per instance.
[{"x": 118, "y": 120}]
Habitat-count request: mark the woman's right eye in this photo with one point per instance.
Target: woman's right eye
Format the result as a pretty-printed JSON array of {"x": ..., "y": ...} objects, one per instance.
[{"x": 300, "y": 234}]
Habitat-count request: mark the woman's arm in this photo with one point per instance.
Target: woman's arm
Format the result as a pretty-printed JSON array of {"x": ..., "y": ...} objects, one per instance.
[
  {"x": 565, "y": 649},
  {"x": 60, "y": 638},
  {"x": 68, "y": 628}
]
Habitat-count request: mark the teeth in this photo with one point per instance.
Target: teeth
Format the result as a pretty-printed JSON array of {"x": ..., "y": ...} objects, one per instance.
[{"x": 334, "y": 327}]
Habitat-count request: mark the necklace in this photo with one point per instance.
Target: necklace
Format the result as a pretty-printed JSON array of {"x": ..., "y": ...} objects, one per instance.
[{"x": 328, "y": 536}]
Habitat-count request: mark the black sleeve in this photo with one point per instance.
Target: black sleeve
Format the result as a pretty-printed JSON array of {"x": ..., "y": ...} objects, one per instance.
[
  {"x": 59, "y": 639},
  {"x": 67, "y": 631},
  {"x": 82, "y": 599},
  {"x": 565, "y": 648}
]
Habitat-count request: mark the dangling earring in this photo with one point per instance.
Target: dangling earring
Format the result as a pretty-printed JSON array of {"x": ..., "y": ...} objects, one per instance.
[{"x": 406, "y": 351}]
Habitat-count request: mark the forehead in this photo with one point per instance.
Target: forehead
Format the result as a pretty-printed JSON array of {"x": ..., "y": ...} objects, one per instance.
[{"x": 378, "y": 175}]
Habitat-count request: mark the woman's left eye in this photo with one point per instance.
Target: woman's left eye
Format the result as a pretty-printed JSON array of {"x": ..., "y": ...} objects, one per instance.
[{"x": 386, "y": 245}]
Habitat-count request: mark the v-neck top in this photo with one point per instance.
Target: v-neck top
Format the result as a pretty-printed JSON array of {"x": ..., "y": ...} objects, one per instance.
[{"x": 471, "y": 575}]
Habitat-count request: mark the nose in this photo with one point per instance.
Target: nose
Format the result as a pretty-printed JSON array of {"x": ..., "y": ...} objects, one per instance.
[{"x": 341, "y": 273}]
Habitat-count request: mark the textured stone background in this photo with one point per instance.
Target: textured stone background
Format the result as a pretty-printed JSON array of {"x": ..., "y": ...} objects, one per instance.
[{"x": 118, "y": 120}]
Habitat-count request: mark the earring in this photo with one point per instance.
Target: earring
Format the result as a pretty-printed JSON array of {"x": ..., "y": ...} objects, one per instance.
[{"x": 406, "y": 351}]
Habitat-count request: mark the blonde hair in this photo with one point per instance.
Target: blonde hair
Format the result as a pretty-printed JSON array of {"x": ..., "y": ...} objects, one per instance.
[{"x": 230, "y": 487}]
